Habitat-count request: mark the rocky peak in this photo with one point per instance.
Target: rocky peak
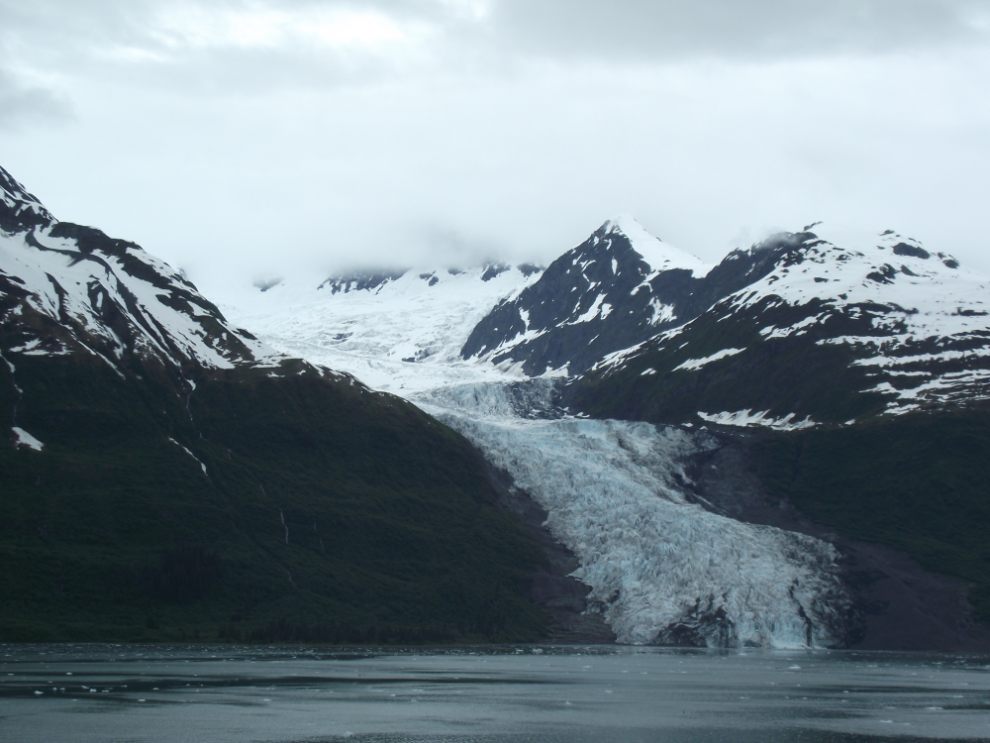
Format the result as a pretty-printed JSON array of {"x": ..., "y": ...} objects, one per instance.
[{"x": 19, "y": 209}]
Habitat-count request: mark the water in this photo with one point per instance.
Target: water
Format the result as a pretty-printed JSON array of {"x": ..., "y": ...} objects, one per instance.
[{"x": 522, "y": 694}]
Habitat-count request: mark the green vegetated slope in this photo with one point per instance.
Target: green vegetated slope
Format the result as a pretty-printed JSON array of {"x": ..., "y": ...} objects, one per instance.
[
  {"x": 327, "y": 512},
  {"x": 920, "y": 483}
]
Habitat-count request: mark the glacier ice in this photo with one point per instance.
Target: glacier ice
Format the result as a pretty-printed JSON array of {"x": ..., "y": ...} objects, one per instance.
[{"x": 661, "y": 568}]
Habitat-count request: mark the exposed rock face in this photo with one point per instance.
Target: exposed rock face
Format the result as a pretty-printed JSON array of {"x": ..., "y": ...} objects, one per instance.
[{"x": 617, "y": 289}]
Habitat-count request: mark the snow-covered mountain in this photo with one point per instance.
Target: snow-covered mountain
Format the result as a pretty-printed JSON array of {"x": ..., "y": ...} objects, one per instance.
[
  {"x": 646, "y": 331},
  {"x": 606, "y": 329},
  {"x": 616, "y": 389},
  {"x": 661, "y": 565},
  {"x": 829, "y": 332},
  {"x": 652, "y": 332},
  {"x": 621, "y": 285},
  {"x": 166, "y": 475},
  {"x": 21, "y": 210},
  {"x": 68, "y": 288}
]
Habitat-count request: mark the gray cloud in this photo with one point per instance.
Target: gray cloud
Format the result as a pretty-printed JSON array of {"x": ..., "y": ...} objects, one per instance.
[
  {"x": 729, "y": 28},
  {"x": 24, "y": 105},
  {"x": 157, "y": 42},
  {"x": 64, "y": 25},
  {"x": 511, "y": 132},
  {"x": 67, "y": 31}
]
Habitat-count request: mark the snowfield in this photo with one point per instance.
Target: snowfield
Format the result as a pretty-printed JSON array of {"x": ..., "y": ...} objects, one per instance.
[{"x": 402, "y": 336}]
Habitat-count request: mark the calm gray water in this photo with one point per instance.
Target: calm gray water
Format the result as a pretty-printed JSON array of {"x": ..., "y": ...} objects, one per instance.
[{"x": 523, "y": 694}]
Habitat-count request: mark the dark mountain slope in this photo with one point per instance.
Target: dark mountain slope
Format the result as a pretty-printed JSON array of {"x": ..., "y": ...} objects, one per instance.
[
  {"x": 164, "y": 475},
  {"x": 826, "y": 334},
  {"x": 899, "y": 602},
  {"x": 617, "y": 289},
  {"x": 917, "y": 483},
  {"x": 866, "y": 372},
  {"x": 312, "y": 501}
]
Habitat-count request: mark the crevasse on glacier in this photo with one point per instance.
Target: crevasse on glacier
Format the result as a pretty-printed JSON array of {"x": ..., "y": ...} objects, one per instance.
[{"x": 661, "y": 568}]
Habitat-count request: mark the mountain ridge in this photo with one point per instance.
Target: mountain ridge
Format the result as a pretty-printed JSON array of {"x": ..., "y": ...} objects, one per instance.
[
  {"x": 541, "y": 398},
  {"x": 167, "y": 476},
  {"x": 900, "y": 338},
  {"x": 701, "y": 445}
]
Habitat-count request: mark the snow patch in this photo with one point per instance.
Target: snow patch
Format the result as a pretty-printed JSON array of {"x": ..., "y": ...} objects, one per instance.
[
  {"x": 661, "y": 312},
  {"x": 798, "y": 328},
  {"x": 745, "y": 418},
  {"x": 203, "y": 466},
  {"x": 618, "y": 358},
  {"x": 592, "y": 312},
  {"x": 660, "y": 256},
  {"x": 695, "y": 364},
  {"x": 26, "y": 440}
]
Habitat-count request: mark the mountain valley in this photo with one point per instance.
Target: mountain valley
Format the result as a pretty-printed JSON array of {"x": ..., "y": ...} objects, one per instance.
[
  {"x": 575, "y": 340},
  {"x": 784, "y": 450}
]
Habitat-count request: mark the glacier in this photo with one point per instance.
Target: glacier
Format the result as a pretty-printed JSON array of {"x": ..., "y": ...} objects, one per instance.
[{"x": 661, "y": 566}]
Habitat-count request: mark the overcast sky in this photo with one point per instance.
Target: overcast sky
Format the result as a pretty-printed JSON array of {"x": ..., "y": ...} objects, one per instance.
[{"x": 248, "y": 138}]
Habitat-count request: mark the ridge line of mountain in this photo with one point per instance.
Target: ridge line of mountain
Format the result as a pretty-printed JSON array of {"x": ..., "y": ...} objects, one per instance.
[{"x": 167, "y": 476}]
